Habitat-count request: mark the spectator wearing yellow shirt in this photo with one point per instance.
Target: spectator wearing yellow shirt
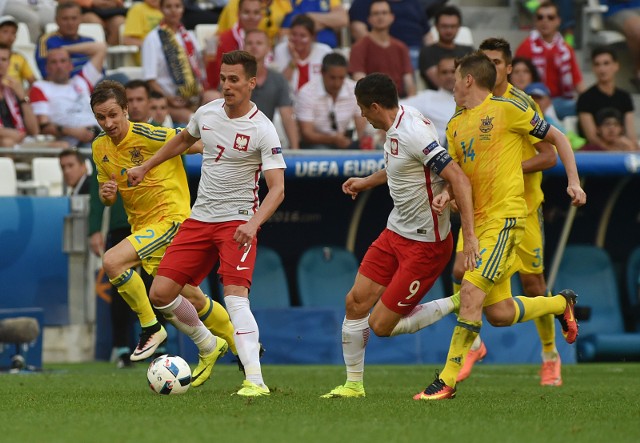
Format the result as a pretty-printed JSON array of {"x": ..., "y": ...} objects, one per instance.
[
  {"x": 275, "y": 11},
  {"x": 141, "y": 19},
  {"x": 19, "y": 68}
]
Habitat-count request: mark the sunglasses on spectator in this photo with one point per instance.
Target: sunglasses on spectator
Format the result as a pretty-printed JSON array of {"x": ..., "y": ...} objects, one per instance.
[
  {"x": 334, "y": 123},
  {"x": 268, "y": 17},
  {"x": 548, "y": 17}
]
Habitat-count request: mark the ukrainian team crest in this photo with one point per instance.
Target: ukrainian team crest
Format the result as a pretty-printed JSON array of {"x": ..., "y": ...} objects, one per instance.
[
  {"x": 394, "y": 146},
  {"x": 136, "y": 156},
  {"x": 486, "y": 125},
  {"x": 241, "y": 142}
]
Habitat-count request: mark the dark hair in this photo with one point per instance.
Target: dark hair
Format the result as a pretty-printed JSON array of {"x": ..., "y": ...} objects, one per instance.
[
  {"x": 243, "y": 58},
  {"x": 106, "y": 90},
  {"x": 9, "y": 23},
  {"x": 373, "y": 2},
  {"x": 535, "y": 77},
  {"x": 333, "y": 59},
  {"x": 498, "y": 44},
  {"x": 162, "y": 2},
  {"x": 305, "y": 21},
  {"x": 7, "y": 47},
  {"x": 547, "y": 4},
  {"x": 155, "y": 95},
  {"x": 72, "y": 152},
  {"x": 480, "y": 68},
  {"x": 606, "y": 113},
  {"x": 377, "y": 88},
  {"x": 604, "y": 50},
  {"x": 137, "y": 83},
  {"x": 67, "y": 5},
  {"x": 447, "y": 10}
]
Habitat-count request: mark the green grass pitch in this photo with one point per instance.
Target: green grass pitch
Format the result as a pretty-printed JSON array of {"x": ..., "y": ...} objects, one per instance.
[{"x": 95, "y": 402}]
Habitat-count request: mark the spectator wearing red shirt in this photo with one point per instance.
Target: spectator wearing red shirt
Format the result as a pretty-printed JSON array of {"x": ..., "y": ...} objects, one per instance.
[
  {"x": 379, "y": 52},
  {"x": 250, "y": 14},
  {"x": 554, "y": 59}
]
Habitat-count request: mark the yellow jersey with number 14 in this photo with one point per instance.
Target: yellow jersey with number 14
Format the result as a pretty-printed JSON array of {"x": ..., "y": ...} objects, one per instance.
[
  {"x": 163, "y": 195},
  {"x": 488, "y": 142}
]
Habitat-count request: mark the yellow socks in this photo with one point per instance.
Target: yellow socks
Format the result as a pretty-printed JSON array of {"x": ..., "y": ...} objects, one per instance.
[
  {"x": 464, "y": 334},
  {"x": 528, "y": 308},
  {"x": 131, "y": 288},
  {"x": 456, "y": 286},
  {"x": 216, "y": 319},
  {"x": 546, "y": 326}
]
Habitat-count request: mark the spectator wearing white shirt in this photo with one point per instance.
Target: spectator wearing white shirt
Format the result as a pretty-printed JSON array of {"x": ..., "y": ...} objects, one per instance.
[
  {"x": 327, "y": 110},
  {"x": 299, "y": 58},
  {"x": 61, "y": 102},
  {"x": 439, "y": 105}
]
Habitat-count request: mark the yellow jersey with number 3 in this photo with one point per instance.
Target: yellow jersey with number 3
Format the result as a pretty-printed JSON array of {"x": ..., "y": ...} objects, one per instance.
[
  {"x": 488, "y": 142},
  {"x": 163, "y": 195}
]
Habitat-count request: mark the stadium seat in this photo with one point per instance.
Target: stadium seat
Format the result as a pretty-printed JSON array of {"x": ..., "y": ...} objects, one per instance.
[
  {"x": 593, "y": 29},
  {"x": 325, "y": 275},
  {"x": 9, "y": 181},
  {"x": 633, "y": 286},
  {"x": 204, "y": 31},
  {"x": 463, "y": 37},
  {"x": 269, "y": 288},
  {"x": 588, "y": 270},
  {"x": 93, "y": 30},
  {"x": 23, "y": 39},
  {"x": 46, "y": 172}
]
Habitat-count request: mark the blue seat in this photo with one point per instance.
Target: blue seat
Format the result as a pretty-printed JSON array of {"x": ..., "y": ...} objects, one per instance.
[
  {"x": 633, "y": 286},
  {"x": 325, "y": 275},
  {"x": 588, "y": 270},
  {"x": 269, "y": 288}
]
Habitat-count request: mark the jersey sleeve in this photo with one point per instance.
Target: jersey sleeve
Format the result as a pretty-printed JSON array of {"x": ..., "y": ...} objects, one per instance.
[
  {"x": 526, "y": 121},
  {"x": 192, "y": 127},
  {"x": 426, "y": 147},
  {"x": 271, "y": 149}
]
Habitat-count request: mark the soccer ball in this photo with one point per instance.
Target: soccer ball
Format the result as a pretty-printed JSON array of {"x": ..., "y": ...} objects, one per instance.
[{"x": 169, "y": 374}]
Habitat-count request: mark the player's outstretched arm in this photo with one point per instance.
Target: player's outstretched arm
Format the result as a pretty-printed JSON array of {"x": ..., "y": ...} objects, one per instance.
[
  {"x": 354, "y": 185},
  {"x": 462, "y": 193},
  {"x": 575, "y": 191},
  {"x": 176, "y": 146},
  {"x": 545, "y": 159}
]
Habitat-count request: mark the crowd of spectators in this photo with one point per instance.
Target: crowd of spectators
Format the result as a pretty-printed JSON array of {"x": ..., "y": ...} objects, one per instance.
[{"x": 300, "y": 46}]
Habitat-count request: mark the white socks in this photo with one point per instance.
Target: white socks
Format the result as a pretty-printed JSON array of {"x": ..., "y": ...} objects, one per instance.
[
  {"x": 184, "y": 317},
  {"x": 246, "y": 336},
  {"x": 476, "y": 343},
  {"x": 423, "y": 315},
  {"x": 355, "y": 335}
]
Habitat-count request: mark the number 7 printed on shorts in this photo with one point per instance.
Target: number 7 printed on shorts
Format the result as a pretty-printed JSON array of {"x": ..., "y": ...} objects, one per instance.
[{"x": 244, "y": 257}]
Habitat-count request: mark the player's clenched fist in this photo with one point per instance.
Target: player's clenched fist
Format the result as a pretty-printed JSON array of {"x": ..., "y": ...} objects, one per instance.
[
  {"x": 135, "y": 175},
  {"x": 108, "y": 190}
]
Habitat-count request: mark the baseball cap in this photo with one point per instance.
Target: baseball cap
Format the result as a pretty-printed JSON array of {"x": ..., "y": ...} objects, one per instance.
[
  {"x": 537, "y": 88},
  {"x": 8, "y": 19}
]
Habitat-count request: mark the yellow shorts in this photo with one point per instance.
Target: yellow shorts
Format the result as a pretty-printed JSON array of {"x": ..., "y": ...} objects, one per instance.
[
  {"x": 531, "y": 248},
  {"x": 498, "y": 241},
  {"x": 151, "y": 241}
]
